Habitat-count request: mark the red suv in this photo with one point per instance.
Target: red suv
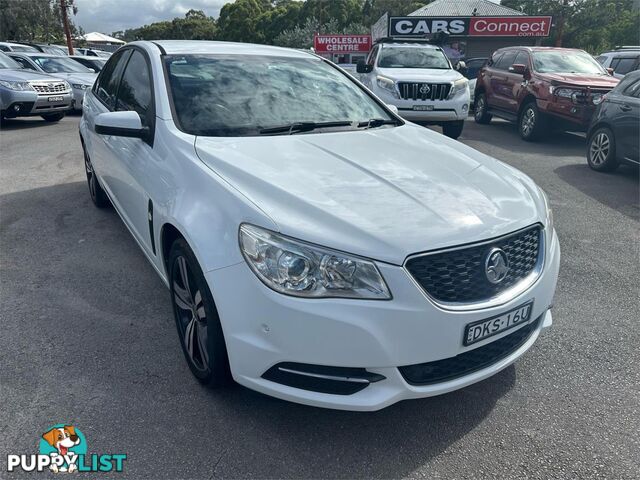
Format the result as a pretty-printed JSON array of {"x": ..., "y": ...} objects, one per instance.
[{"x": 541, "y": 88}]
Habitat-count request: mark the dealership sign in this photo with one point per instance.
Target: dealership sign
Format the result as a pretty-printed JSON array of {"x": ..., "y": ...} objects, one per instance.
[
  {"x": 342, "y": 43},
  {"x": 516, "y": 26}
]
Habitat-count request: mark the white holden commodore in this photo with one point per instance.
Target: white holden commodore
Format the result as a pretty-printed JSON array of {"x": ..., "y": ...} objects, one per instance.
[{"x": 317, "y": 247}]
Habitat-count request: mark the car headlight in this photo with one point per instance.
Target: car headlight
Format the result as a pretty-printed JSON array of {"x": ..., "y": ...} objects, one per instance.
[
  {"x": 297, "y": 268},
  {"x": 388, "y": 85},
  {"x": 459, "y": 86},
  {"x": 19, "y": 86},
  {"x": 598, "y": 98},
  {"x": 80, "y": 86},
  {"x": 549, "y": 211}
]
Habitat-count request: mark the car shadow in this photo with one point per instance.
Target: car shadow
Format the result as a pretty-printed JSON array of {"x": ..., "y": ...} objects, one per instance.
[
  {"x": 94, "y": 294},
  {"x": 619, "y": 190},
  {"x": 23, "y": 123}
]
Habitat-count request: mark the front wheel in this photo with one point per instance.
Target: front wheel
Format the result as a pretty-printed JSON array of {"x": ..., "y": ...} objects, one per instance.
[
  {"x": 196, "y": 318},
  {"x": 453, "y": 129},
  {"x": 98, "y": 195},
  {"x": 480, "y": 114},
  {"x": 601, "y": 150},
  {"x": 53, "y": 117},
  {"x": 531, "y": 123}
]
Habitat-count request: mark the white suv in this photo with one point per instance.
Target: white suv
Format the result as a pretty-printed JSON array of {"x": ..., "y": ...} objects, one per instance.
[
  {"x": 316, "y": 247},
  {"x": 418, "y": 78}
]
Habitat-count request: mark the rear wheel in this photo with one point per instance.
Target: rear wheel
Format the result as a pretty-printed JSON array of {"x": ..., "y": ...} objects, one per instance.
[
  {"x": 531, "y": 124},
  {"x": 453, "y": 129},
  {"x": 480, "y": 114},
  {"x": 601, "y": 150},
  {"x": 53, "y": 117},
  {"x": 196, "y": 318}
]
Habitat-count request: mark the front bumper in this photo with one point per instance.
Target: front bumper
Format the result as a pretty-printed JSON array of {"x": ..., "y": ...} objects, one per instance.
[
  {"x": 30, "y": 103},
  {"x": 452, "y": 110},
  {"x": 264, "y": 328}
]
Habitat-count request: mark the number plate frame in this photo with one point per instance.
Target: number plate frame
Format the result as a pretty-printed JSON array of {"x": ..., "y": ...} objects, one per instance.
[{"x": 505, "y": 323}]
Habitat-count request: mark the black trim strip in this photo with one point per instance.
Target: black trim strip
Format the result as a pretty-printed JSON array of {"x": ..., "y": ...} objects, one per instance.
[{"x": 150, "y": 219}]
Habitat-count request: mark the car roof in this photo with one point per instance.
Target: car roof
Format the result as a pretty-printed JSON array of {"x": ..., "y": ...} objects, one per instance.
[
  {"x": 172, "y": 47},
  {"x": 409, "y": 44},
  {"x": 542, "y": 49},
  {"x": 36, "y": 54}
]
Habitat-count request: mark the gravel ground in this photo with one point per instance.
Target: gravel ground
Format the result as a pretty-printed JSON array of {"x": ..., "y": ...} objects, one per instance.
[{"x": 88, "y": 339}]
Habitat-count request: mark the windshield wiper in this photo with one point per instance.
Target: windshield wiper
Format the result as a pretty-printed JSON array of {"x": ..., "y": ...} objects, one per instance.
[
  {"x": 377, "y": 122},
  {"x": 298, "y": 127}
]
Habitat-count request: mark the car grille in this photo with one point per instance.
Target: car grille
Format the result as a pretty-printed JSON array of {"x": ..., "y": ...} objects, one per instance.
[
  {"x": 458, "y": 275},
  {"x": 424, "y": 91},
  {"x": 468, "y": 362},
  {"x": 49, "y": 87}
]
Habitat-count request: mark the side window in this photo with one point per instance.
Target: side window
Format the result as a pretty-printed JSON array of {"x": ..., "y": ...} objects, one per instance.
[
  {"x": 506, "y": 60},
  {"x": 601, "y": 59},
  {"x": 495, "y": 58},
  {"x": 24, "y": 63},
  {"x": 522, "y": 58},
  {"x": 107, "y": 84},
  {"x": 135, "y": 88},
  {"x": 632, "y": 90},
  {"x": 614, "y": 63},
  {"x": 625, "y": 65}
]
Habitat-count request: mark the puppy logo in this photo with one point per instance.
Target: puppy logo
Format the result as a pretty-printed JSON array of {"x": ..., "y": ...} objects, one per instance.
[{"x": 63, "y": 441}]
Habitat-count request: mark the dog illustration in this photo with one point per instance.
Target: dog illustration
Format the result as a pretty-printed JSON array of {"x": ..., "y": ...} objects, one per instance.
[{"x": 62, "y": 439}]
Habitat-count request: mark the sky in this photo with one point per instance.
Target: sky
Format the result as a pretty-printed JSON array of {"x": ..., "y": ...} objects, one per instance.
[{"x": 108, "y": 16}]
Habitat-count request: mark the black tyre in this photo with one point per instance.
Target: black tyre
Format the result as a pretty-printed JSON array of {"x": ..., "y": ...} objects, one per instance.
[
  {"x": 531, "y": 123},
  {"x": 601, "y": 150},
  {"x": 196, "y": 318},
  {"x": 453, "y": 129},
  {"x": 480, "y": 108},
  {"x": 53, "y": 117},
  {"x": 98, "y": 195}
]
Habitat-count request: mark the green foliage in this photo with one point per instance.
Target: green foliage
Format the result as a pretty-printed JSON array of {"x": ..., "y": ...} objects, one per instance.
[
  {"x": 194, "y": 26},
  {"x": 372, "y": 10},
  {"x": 301, "y": 36},
  {"x": 34, "y": 20},
  {"x": 593, "y": 25},
  {"x": 238, "y": 21}
]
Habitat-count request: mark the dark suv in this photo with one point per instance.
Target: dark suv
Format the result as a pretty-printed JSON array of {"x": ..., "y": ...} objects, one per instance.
[{"x": 541, "y": 88}]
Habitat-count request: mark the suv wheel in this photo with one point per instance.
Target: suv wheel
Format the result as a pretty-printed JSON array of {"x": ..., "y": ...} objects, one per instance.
[
  {"x": 53, "y": 117},
  {"x": 531, "y": 123},
  {"x": 98, "y": 195},
  {"x": 601, "y": 150},
  {"x": 453, "y": 129},
  {"x": 480, "y": 114},
  {"x": 196, "y": 318}
]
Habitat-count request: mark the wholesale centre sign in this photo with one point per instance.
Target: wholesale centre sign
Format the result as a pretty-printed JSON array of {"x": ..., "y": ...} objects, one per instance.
[
  {"x": 516, "y": 26},
  {"x": 342, "y": 43}
]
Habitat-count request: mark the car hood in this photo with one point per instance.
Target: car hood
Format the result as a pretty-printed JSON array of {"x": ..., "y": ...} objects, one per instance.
[
  {"x": 382, "y": 193},
  {"x": 26, "y": 76},
  {"x": 595, "y": 81},
  {"x": 420, "y": 74},
  {"x": 84, "y": 78}
]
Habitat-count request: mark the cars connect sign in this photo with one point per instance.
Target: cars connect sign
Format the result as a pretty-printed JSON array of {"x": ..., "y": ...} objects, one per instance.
[
  {"x": 342, "y": 43},
  {"x": 516, "y": 26}
]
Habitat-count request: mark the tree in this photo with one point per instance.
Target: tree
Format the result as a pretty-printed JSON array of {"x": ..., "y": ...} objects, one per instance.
[
  {"x": 302, "y": 35},
  {"x": 238, "y": 21},
  {"x": 194, "y": 26},
  {"x": 34, "y": 20},
  {"x": 372, "y": 10}
]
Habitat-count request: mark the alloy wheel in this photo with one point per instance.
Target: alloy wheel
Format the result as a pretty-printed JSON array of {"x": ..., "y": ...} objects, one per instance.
[
  {"x": 479, "y": 107},
  {"x": 528, "y": 121},
  {"x": 599, "y": 149},
  {"x": 91, "y": 178},
  {"x": 192, "y": 318}
]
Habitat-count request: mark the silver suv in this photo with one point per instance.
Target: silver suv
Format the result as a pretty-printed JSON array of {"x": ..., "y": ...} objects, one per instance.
[{"x": 26, "y": 93}]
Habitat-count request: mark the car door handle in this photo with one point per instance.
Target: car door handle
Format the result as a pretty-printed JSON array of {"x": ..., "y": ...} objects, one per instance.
[{"x": 625, "y": 108}]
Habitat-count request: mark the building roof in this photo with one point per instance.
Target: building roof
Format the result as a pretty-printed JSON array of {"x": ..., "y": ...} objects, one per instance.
[
  {"x": 464, "y": 8},
  {"x": 98, "y": 37}
]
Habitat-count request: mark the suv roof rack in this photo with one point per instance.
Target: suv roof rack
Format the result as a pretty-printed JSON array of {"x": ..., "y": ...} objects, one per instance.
[
  {"x": 626, "y": 47},
  {"x": 437, "y": 39}
]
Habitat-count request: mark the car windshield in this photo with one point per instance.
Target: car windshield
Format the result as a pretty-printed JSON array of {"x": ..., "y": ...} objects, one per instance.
[
  {"x": 239, "y": 95},
  {"x": 59, "y": 64},
  {"x": 412, "y": 57},
  {"x": 8, "y": 63},
  {"x": 566, "y": 62}
]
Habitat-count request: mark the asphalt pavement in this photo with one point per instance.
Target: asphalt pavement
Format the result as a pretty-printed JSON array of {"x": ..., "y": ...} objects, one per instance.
[{"x": 87, "y": 338}]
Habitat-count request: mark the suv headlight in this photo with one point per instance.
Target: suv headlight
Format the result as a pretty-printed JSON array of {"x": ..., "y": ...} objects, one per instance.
[
  {"x": 549, "y": 211},
  {"x": 296, "y": 268},
  {"x": 388, "y": 85},
  {"x": 459, "y": 86},
  {"x": 19, "y": 86}
]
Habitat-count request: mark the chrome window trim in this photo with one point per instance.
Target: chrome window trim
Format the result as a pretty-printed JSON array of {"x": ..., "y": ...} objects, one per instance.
[{"x": 504, "y": 297}]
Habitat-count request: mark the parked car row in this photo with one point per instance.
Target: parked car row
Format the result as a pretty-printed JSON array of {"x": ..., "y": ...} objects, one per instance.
[{"x": 59, "y": 50}]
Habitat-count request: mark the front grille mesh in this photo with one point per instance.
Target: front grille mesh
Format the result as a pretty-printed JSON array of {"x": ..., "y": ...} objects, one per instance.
[
  {"x": 424, "y": 91},
  {"x": 49, "y": 87},
  {"x": 458, "y": 276},
  {"x": 468, "y": 362}
]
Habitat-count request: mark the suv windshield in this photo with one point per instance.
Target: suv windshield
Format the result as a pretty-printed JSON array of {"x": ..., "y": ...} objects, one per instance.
[
  {"x": 412, "y": 57},
  {"x": 566, "y": 62},
  {"x": 8, "y": 63},
  {"x": 239, "y": 95},
  {"x": 59, "y": 64}
]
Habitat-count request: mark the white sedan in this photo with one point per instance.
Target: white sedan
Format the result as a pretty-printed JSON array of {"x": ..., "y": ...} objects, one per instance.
[{"x": 317, "y": 247}]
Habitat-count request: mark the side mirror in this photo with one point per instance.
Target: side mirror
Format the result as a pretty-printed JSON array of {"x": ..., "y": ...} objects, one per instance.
[
  {"x": 393, "y": 108},
  {"x": 121, "y": 124},
  {"x": 362, "y": 67},
  {"x": 610, "y": 71},
  {"x": 518, "y": 68}
]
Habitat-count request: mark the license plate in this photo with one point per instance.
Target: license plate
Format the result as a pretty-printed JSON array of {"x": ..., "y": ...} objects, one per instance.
[
  {"x": 55, "y": 99},
  {"x": 477, "y": 331},
  {"x": 423, "y": 108}
]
